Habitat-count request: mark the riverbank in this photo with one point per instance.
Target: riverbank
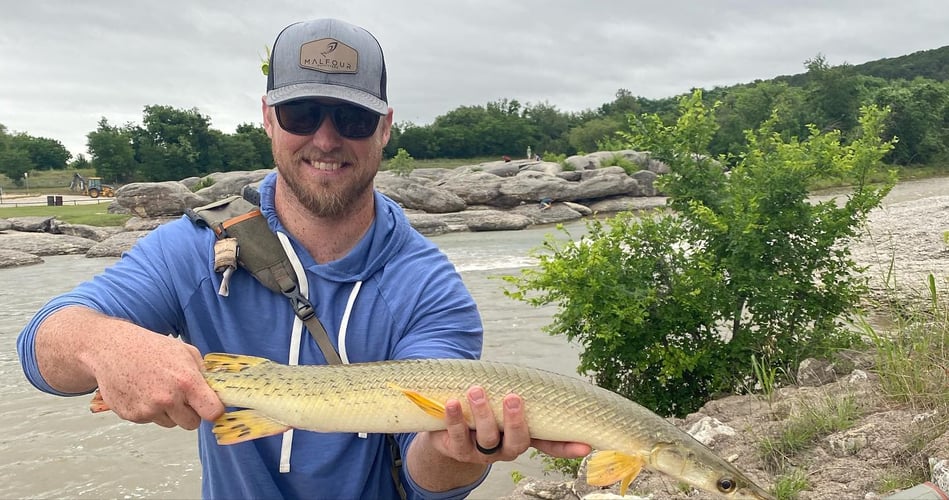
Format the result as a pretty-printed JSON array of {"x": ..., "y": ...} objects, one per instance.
[{"x": 838, "y": 432}]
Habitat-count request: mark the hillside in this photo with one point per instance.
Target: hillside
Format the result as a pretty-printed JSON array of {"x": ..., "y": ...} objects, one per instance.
[{"x": 932, "y": 64}]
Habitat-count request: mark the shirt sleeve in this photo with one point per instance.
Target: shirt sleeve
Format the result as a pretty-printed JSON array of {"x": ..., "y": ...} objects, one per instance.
[{"x": 143, "y": 287}]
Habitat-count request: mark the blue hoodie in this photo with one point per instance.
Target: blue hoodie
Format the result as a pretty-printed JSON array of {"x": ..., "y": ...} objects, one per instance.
[{"x": 407, "y": 301}]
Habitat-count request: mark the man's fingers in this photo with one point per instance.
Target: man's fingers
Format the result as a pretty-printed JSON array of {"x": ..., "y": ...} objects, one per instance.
[
  {"x": 184, "y": 416},
  {"x": 516, "y": 433},
  {"x": 487, "y": 435},
  {"x": 456, "y": 426}
]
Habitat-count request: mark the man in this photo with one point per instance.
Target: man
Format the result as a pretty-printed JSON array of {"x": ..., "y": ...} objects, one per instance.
[{"x": 381, "y": 290}]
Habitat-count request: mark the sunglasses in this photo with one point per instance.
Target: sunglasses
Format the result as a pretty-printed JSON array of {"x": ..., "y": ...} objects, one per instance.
[{"x": 305, "y": 116}]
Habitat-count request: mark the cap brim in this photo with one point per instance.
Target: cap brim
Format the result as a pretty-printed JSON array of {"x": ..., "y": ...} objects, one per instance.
[{"x": 313, "y": 90}]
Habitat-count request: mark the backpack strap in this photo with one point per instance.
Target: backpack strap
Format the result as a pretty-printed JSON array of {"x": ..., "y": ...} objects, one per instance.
[
  {"x": 245, "y": 237},
  {"x": 261, "y": 254}
]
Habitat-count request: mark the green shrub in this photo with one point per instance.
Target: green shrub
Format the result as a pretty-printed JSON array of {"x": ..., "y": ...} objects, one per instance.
[
  {"x": 402, "y": 163},
  {"x": 671, "y": 308},
  {"x": 203, "y": 183},
  {"x": 618, "y": 160}
]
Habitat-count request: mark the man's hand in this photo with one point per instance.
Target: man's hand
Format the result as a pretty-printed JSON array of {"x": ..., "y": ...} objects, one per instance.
[
  {"x": 159, "y": 380},
  {"x": 142, "y": 376},
  {"x": 448, "y": 459},
  {"x": 462, "y": 444}
]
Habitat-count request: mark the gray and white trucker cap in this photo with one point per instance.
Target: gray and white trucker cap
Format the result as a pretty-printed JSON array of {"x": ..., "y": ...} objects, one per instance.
[{"x": 327, "y": 58}]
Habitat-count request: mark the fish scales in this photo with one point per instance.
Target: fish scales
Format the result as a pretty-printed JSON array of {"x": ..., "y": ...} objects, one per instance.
[
  {"x": 366, "y": 398},
  {"x": 409, "y": 396}
]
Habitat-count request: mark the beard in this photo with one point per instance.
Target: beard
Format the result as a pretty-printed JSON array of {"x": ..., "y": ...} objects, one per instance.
[{"x": 329, "y": 197}]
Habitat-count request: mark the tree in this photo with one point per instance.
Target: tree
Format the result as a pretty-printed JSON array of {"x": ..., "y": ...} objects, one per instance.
[
  {"x": 586, "y": 138},
  {"x": 919, "y": 118},
  {"x": 45, "y": 154},
  {"x": 671, "y": 308},
  {"x": 112, "y": 153},
  {"x": 80, "y": 162},
  {"x": 402, "y": 163},
  {"x": 257, "y": 136},
  {"x": 14, "y": 162},
  {"x": 834, "y": 94},
  {"x": 173, "y": 144}
]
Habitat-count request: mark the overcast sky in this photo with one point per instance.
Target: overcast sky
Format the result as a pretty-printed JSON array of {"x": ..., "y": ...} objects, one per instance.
[{"x": 67, "y": 63}]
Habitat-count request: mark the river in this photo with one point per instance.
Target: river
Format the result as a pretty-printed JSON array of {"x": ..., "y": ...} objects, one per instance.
[{"x": 53, "y": 447}]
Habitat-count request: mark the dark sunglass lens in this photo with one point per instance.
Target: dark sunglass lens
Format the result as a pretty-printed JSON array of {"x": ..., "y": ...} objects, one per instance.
[
  {"x": 354, "y": 122},
  {"x": 300, "y": 117}
]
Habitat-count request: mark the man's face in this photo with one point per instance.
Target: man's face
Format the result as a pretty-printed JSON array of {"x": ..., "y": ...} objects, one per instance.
[{"x": 327, "y": 173}]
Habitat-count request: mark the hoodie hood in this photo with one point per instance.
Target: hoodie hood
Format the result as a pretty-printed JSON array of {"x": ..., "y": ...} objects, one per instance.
[{"x": 389, "y": 231}]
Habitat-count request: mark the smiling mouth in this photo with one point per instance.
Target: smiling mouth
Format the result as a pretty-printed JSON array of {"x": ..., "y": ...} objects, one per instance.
[{"x": 327, "y": 166}]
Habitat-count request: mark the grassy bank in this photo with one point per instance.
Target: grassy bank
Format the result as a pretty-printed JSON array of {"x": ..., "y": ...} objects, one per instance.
[{"x": 94, "y": 214}]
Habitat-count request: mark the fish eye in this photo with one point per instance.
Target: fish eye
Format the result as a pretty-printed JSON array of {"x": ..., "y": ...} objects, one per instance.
[{"x": 726, "y": 485}]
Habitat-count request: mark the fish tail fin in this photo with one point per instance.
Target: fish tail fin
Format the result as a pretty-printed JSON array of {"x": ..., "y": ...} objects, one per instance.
[
  {"x": 428, "y": 405},
  {"x": 98, "y": 405},
  {"x": 244, "y": 425},
  {"x": 608, "y": 467},
  {"x": 221, "y": 362}
]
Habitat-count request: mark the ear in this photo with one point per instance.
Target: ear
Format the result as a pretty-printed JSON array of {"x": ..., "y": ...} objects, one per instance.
[
  {"x": 269, "y": 118},
  {"x": 386, "y": 128}
]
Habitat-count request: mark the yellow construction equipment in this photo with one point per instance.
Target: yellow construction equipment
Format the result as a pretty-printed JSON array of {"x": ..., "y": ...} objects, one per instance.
[{"x": 95, "y": 188}]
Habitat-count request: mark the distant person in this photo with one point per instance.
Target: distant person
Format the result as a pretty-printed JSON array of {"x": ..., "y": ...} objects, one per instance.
[{"x": 370, "y": 275}]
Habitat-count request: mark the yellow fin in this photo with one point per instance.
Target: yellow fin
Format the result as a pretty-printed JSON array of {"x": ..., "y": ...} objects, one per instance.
[
  {"x": 244, "y": 425},
  {"x": 221, "y": 362},
  {"x": 98, "y": 405},
  {"x": 608, "y": 467},
  {"x": 428, "y": 405}
]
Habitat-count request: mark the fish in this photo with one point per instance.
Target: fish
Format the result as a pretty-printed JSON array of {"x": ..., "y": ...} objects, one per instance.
[{"x": 410, "y": 395}]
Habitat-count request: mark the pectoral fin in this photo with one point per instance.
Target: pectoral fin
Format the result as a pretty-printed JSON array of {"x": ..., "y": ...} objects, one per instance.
[
  {"x": 244, "y": 425},
  {"x": 428, "y": 405},
  {"x": 220, "y": 362},
  {"x": 98, "y": 405},
  {"x": 608, "y": 467}
]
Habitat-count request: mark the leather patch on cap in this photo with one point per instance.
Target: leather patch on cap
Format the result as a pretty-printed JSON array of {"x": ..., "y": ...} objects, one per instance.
[{"x": 329, "y": 56}]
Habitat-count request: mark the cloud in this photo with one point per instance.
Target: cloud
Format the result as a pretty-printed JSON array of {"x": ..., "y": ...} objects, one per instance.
[{"x": 67, "y": 64}]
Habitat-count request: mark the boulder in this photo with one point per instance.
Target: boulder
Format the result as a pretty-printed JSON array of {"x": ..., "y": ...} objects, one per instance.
[
  {"x": 411, "y": 193},
  {"x": 116, "y": 245},
  {"x": 590, "y": 174},
  {"x": 5, "y": 225},
  {"x": 815, "y": 372},
  {"x": 94, "y": 233},
  {"x": 32, "y": 224},
  {"x": 428, "y": 224},
  {"x": 603, "y": 186},
  {"x": 155, "y": 199},
  {"x": 475, "y": 188},
  {"x": 531, "y": 187},
  {"x": 626, "y": 203},
  {"x": 224, "y": 184},
  {"x": 646, "y": 180},
  {"x": 495, "y": 220},
  {"x": 13, "y": 258},
  {"x": 501, "y": 168},
  {"x": 44, "y": 244},
  {"x": 555, "y": 213}
]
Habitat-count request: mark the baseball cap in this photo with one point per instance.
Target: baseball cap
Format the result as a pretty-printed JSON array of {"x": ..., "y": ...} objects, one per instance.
[{"x": 327, "y": 58}]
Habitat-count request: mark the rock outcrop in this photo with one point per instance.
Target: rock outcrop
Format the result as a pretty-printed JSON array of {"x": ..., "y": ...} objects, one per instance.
[{"x": 491, "y": 196}]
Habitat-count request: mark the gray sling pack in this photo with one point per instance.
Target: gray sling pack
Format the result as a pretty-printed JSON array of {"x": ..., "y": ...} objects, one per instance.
[{"x": 244, "y": 238}]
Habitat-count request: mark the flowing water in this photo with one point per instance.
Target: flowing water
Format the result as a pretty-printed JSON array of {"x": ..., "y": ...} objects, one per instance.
[{"x": 54, "y": 447}]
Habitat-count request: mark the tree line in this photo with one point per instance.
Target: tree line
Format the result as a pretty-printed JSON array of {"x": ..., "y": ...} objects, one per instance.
[{"x": 172, "y": 144}]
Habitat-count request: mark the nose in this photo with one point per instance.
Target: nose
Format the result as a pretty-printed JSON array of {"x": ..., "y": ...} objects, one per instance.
[{"x": 326, "y": 137}]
